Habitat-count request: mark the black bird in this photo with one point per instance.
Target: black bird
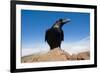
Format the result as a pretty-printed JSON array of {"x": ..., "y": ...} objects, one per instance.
[{"x": 54, "y": 35}]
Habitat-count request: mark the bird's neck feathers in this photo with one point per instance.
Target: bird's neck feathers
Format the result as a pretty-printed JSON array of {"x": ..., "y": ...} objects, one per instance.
[{"x": 56, "y": 26}]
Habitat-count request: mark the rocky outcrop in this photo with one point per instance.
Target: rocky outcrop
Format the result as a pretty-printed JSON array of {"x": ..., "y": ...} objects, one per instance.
[
  {"x": 56, "y": 55},
  {"x": 83, "y": 56}
]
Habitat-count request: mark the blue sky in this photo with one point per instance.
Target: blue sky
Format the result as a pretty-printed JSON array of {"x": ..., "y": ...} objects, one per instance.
[{"x": 35, "y": 23}]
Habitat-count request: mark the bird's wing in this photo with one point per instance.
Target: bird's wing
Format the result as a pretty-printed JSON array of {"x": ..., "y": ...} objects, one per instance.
[
  {"x": 46, "y": 34},
  {"x": 62, "y": 35}
]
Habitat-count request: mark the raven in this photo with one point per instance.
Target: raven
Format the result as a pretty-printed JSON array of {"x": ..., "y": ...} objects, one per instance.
[{"x": 54, "y": 35}]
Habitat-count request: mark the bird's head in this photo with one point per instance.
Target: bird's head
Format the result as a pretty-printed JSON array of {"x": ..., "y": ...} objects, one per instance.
[{"x": 61, "y": 22}]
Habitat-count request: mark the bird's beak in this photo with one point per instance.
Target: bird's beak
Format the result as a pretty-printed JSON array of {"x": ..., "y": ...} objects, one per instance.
[{"x": 66, "y": 21}]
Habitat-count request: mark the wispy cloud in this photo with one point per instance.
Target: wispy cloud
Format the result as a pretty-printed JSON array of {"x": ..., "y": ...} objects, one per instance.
[
  {"x": 78, "y": 46},
  {"x": 38, "y": 48},
  {"x": 73, "y": 47}
]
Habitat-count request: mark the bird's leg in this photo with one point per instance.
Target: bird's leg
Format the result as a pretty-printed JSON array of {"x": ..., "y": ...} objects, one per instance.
[
  {"x": 51, "y": 47},
  {"x": 59, "y": 46}
]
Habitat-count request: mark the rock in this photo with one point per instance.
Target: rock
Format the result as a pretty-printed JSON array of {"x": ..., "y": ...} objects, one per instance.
[
  {"x": 73, "y": 57},
  {"x": 56, "y": 54},
  {"x": 83, "y": 56}
]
